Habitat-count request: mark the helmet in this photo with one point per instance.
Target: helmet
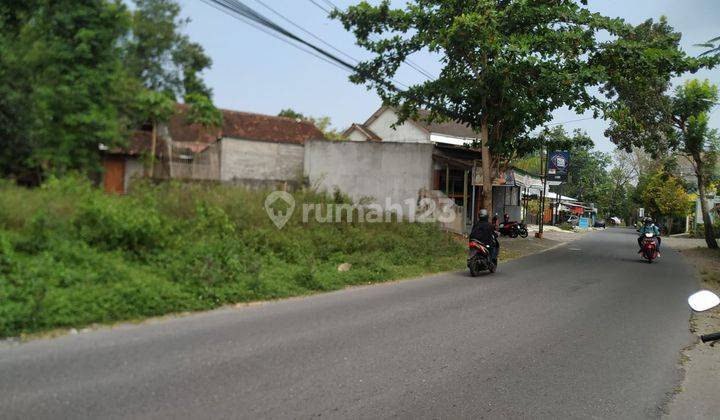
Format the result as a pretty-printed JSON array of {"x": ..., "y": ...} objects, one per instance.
[
  {"x": 483, "y": 213},
  {"x": 648, "y": 220}
]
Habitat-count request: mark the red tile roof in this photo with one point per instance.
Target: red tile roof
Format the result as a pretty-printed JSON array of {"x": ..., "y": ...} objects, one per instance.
[{"x": 236, "y": 124}]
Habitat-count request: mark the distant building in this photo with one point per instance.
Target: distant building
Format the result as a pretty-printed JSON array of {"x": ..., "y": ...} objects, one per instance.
[
  {"x": 399, "y": 162},
  {"x": 249, "y": 149},
  {"x": 379, "y": 127}
]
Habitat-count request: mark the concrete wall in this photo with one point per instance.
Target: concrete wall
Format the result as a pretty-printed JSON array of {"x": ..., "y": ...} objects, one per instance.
[
  {"x": 134, "y": 169},
  {"x": 252, "y": 161},
  {"x": 370, "y": 169},
  {"x": 507, "y": 200},
  {"x": 406, "y": 132},
  {"x": 711, "y": 204}
]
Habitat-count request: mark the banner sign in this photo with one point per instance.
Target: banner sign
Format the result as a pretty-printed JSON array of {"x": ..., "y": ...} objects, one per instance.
[{"x": 558, "y": 165}]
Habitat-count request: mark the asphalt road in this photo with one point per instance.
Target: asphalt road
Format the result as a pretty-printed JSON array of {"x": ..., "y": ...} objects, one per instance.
[{"x": 586, "y": 330}]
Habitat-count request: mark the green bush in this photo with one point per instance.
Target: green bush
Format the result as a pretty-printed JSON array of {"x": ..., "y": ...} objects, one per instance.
[
  {"x": 699, "y": 230},
  {"x": 114, "y": 223},
  {"x": 72, "y": 256}
]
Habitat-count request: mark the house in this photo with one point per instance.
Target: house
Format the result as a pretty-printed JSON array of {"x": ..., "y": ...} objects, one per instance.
[
  {"x": 380, "y": 127},
  {"x": 250, "y": 149},
  {"x": 398, "y": 163}
]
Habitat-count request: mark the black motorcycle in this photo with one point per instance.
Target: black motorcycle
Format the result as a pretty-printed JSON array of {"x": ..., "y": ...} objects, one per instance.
[
  {"x": 479, "y": 258},
  {"x": 513, "y": 229}
]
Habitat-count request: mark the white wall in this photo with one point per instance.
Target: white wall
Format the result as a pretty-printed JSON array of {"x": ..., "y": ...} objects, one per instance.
[
  {"x": 710, "y": 203},
  {"x": 134, "y": 169},
  {"x": 259, "y": 160},
  {"x": 356, "y": 135},
  {"x": 407, "y": 132},
  {"x": 370, "y": 169}
]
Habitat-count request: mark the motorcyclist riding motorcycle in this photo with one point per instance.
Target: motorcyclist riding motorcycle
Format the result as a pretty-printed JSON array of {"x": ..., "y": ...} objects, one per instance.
[
  {"x": 649, "y": 227},
  {"x": 484, "y": 232}
]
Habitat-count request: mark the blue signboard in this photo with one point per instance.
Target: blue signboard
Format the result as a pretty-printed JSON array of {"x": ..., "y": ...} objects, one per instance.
[
  {"x": 584, "y": 223},
  {"x": 558, "y": 165}
]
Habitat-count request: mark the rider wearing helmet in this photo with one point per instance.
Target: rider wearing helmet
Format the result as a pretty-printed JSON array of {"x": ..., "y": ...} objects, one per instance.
[
  {"x": 484, "y": 232},
  {"x": 649, "y": 227}
]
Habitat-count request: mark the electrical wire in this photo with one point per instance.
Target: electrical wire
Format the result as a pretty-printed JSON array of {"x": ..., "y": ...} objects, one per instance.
[
  {"x": 570, "y": 121},
  {"x": 246, "y": 14},
  {"x": 409, "y": 62},
  {"x": 241, "y": 9},
  {"x": 305, "y": 30},
  {"x": 259, "y": 27}
]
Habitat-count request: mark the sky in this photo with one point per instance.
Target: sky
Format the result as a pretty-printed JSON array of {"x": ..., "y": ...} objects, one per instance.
[{"x": 255, "y": 72}]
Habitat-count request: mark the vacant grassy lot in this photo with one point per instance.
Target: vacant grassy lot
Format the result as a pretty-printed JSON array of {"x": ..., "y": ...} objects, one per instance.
[{"x": 72, "y": 256}]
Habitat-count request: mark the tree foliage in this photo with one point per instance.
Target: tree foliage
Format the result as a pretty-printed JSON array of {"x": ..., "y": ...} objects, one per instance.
[
  {"x": 62, "y": 64},
  {"x": 507, "y": 64},
  {"x": 323, "y": 124},
  {"x": 664, "y": 195},
  {"x": 202, "y": 111},
  {"x": 74, "y": 75},
  {"x": 588, "y": 178},
  {"x": 159, "y": 55},
  {"x": 643, "y": 110},
  {"x": 713, "y": 46}
]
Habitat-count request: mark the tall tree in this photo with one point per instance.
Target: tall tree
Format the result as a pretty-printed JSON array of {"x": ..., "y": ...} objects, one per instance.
[
  {"x": 644, "y": 112},
  {"x": 507, "y": 64},
  {"x": 159, "y": 55},
  {"x": 15, "y": 89},
  {"x": 619, "y": 199},
  {"x": 63, "y": 58},
  {"x": 74, "y": 74},
  {"x": 156, "y": 108},
  {"x": 664, "y": 195}
]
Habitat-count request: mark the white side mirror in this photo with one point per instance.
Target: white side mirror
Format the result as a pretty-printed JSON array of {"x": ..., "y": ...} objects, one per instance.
[{"x": 703, "y": 300}]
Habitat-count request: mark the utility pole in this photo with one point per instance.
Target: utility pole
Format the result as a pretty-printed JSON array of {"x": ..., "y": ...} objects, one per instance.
[{"x": 543, "y": 176}]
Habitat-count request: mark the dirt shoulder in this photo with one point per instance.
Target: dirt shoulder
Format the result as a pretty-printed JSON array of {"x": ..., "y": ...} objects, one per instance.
[
  {"x": 511, "y": 248},
  {"x": 698, "y": 393}
]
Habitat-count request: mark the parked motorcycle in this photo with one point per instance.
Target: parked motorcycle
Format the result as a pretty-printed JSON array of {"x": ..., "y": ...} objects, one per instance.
[
  {"x": 479, "y": 259},
  {"x": 513, "y": 229},
  {"x": 700, "y": 302},
  {"x": 649, "y": 248}
]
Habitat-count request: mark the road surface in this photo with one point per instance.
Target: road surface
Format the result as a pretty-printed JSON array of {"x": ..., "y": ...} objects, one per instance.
[{"x": 586, "y": 330}]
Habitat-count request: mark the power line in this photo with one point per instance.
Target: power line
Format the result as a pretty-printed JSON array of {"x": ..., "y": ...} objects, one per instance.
[
  {"x": 243, "y": 19},
  {"x": 246, "y": 14},
  {"x": 570, "y": 121},
  {"x": 241, "y": 9},
  {"x": 305, "y": 30},
  {"x": 409, "y": 62}
]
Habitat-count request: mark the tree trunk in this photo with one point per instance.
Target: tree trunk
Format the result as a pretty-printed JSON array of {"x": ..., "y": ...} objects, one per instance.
[
  {"x": 152, "y": 150},
  {"x": 487, "y": 175},
  {"x": 707, "y": 222}
]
